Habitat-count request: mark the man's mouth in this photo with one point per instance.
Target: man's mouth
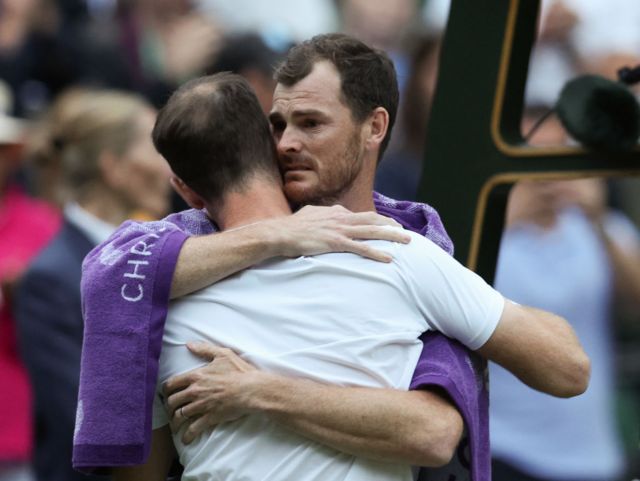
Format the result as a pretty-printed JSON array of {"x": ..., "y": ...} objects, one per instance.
[
  {"x": 296, "y": 167},
  {"x": 295, "y": 173}
]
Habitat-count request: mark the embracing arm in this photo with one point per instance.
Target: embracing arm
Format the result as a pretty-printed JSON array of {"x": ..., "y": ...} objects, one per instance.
[
  {"x": 158, "y": 464},
  {"x": 205, "y": 260},
  {"x": 541, "y": 349},
  {"x": 415, "y": 427}
]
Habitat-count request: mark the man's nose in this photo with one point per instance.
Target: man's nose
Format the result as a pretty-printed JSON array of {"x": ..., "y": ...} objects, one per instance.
[{"x": 288, "y": 141}]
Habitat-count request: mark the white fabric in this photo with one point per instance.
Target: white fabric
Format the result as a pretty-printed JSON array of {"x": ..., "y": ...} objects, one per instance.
[
  {"x": 97, "y": 230},
  {"x": 335, "y": 318}
]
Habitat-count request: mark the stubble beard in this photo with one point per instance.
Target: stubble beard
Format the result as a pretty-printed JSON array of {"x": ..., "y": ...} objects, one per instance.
[{"x": 337, "y": 182}]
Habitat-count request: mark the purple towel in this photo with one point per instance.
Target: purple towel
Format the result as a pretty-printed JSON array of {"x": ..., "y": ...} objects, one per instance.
[
  {"x": 125, "y": 286},
  {"x": 462, "y": 374}
]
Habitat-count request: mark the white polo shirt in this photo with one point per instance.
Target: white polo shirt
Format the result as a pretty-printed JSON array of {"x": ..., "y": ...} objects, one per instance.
[{"x": 333, "y": 318}]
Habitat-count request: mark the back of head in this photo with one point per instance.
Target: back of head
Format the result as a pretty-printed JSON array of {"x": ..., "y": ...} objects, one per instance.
[
  {"x": 81, "y": 126},
  {"x": 367, "y": 75},
  {"x": 215, "y": 136}
]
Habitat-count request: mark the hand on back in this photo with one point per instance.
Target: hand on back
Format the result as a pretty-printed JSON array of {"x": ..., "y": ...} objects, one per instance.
[{"x": 317, "y": 230}]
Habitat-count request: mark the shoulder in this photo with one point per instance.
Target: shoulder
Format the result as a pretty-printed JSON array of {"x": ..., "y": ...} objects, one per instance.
[
  {"x": 423, "y": 247},
  {"x": 423, "y": 259},
  {"x": 419, "y": 244}
]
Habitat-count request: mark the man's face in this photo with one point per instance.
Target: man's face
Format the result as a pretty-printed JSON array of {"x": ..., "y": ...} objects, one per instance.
[
  {"x": 320, "y": 147},
  {"x": 146, "y": 186}
]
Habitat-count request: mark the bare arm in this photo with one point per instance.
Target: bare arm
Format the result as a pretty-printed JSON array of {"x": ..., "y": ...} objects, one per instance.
[
  {"x": 541, "y": 349},
  {"x": 158, "y": 464},
  {"x": 415, "y": 427},
  {"x": 207, "y": 259}
]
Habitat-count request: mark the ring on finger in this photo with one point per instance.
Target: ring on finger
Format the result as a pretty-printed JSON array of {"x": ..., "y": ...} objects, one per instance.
[{"x": 183, "y": 414}]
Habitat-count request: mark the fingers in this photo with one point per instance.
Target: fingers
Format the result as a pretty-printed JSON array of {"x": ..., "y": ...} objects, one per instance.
[
  {"x": 195, "y": 425},
  {"x": 187, "y": 412},
  {"x": 371, "y": 233},
  {"x": 204, "y": 350},
  {"x": 178, "y": 383},
  {"x": 209, "y": 351},
  {"x": 180, "y": 398},
  {"x": 195, "y": 429},
  {"x": 367, "y": 251},
  {"x": 179, "y": 418},
  {"x": 344, "y": 216},
  {"x": 377, "y": 233},
  {"x": 201, "y": 349},
  {"x": 371, "y": 218}
]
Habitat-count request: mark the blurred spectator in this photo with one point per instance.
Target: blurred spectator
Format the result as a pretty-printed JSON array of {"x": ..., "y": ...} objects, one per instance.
[
  {"x": 281, "y": 22},
  {"x": 603, "y": 33},
  {"x": 25, "y": 226},
  {"x": 148, "y": 46},
  {"x": 42, "y": 151},
  {"x": 382, "y": 24},
  {"x": 111, "y": 170},
  {"x": 33, "y": 60},
  {"x": 553, "y": 61},
  {"x": 164, "y": 42},
  {"x": 582, "y": 36},
  {"x": 563, "y": 250},
  {"x": 401, "y": 168},
  {"x": 248, "y": 55},
  {"x": 574, "y": 37}
]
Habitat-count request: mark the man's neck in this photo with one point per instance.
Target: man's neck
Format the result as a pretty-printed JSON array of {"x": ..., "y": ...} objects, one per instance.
[
  {"x": 358, "y": 200},
  {"x": 260, "y": 200},
  {"x": 359, "y": 197}
]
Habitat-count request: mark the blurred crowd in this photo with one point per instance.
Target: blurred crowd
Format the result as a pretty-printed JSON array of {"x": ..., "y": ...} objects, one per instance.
[{"x": 80, "y": 82}]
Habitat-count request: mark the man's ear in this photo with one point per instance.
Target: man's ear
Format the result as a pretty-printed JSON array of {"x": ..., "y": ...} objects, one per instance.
[
  {"x": 378, "y": 124},
  {"x": 184, "y": 191}
]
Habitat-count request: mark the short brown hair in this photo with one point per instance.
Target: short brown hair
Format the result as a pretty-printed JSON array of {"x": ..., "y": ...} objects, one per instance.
[
  {"x": 214, "y": 135},
  {"x": 367, "y": 75}
]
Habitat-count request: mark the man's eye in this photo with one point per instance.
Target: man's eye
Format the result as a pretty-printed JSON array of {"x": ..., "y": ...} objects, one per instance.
[
  {"x": 310, "y": 123},
  {"x": 278, "y": 126}
]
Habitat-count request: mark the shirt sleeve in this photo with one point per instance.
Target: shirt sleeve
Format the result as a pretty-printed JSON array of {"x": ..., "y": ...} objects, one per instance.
[{"x": 452, "y": 299}]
